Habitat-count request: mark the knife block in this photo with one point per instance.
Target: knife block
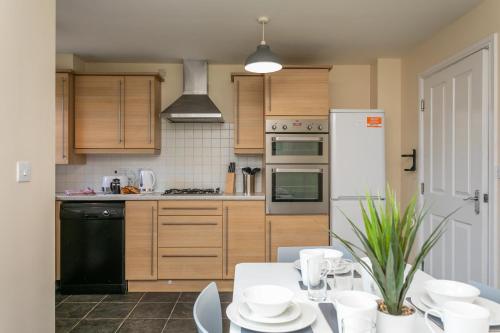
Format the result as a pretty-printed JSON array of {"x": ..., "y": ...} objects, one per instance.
[{"x": 230, "y": 183}]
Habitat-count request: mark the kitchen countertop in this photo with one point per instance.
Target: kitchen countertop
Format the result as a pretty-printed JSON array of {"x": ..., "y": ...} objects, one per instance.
[{"x": 158, "y": 196}]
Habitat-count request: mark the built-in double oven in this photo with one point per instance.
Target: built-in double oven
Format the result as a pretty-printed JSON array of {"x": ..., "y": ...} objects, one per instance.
[{"x": 297, "y": 166}]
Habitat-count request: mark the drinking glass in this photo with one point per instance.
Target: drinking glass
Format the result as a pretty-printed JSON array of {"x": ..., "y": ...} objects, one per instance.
[
  {"x": 343, "y": 275},
  {"x": 358, "y": 325},
  {"x": 317, "y": 270}
]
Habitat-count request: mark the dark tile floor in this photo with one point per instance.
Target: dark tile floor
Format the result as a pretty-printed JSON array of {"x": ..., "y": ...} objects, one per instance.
[{"x": 133, "y": 312}]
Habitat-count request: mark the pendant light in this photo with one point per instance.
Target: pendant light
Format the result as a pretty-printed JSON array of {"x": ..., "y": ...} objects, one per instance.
[{"x": 263, "y": 60}]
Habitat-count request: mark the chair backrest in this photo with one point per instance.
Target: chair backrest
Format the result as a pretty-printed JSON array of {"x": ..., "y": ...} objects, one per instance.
[
  {"x": 290, "y": 254},
  {"x": 487, "y": 292},
  {"x": 207, "y": 311}
]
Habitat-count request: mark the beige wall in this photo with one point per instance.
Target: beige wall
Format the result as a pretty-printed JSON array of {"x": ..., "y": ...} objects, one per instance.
[
  {"x": 469, "y": 29},
  {"x": 388, "y": 98},
  {"x": 27, "y": 32},
  {"x": 350, "y": 87}
]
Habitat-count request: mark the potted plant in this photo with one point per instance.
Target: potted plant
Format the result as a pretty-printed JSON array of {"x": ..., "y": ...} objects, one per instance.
[{"x": 388, "y": 242}]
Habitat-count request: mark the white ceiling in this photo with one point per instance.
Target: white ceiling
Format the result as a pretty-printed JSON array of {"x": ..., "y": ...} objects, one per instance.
[{"x": 226, "y": 31}]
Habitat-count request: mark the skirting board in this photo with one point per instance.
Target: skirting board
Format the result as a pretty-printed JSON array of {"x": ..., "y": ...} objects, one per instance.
[{"x": 177, "y": 285}]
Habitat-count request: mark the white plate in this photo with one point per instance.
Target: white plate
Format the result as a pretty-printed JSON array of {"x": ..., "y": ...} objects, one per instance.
[
  {"x": 291, "y": 313},
  {"x": 296, "y": 264},
  {"x": 306, "y": 318},
  {"x": 423, "y": 302}
]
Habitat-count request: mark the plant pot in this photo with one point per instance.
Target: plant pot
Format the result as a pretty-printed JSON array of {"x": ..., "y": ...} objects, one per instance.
[{"x": 387, "y": 323}]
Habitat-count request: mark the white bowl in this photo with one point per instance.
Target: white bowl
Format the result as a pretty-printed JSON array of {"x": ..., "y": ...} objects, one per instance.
[
  {"x": 332, "y": 256},
  {"x": 268, "y": 300},
  {"x": 442, "y": 291}
]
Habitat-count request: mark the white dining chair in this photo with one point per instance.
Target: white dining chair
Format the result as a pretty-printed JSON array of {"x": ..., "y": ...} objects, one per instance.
[
  {"x": 292, "y": 253},
  {"x": 207, "y": 310},
  {"x": 487, "y": 292}
]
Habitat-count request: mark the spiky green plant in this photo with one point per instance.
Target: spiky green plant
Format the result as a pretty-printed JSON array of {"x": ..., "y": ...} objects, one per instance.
[{"x": 388, "y": 242}]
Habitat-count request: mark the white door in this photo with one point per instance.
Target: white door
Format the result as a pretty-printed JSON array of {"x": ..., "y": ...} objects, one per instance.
[{"x": 455, "y": 147}]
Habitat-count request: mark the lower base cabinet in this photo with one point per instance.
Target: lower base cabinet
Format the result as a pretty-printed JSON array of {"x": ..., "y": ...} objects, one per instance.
[
  {"x": 295, "y": 230},
  {"x": 244, "y": 234},
  {"x": 141, "y": 240}
]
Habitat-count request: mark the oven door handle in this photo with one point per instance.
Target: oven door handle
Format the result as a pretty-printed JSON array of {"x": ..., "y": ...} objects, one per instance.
[
  {"x": 282, "y": 170},
  {"x": 297, "y": 139}
]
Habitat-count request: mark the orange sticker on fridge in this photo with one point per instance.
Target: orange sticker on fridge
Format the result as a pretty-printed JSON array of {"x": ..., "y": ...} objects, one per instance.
[{"x": 374, "y": 122}]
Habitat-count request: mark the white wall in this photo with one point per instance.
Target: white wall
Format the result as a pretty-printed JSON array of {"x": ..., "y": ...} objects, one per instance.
[{"x": 27, "y": 32}]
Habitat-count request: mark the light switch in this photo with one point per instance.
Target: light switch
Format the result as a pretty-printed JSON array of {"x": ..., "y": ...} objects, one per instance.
[{"x": 23, "y": 171}]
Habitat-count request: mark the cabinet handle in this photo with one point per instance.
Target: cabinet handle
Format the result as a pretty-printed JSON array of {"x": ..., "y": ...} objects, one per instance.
[
  {"x": 189, "y": 208},
  {"x": 227, "y": 239},
  {"x": 152, "y": 237},
  {"x": 269, "y": 92},
  {"x": 189, "y": 256},
  {"x": 237, "y": 112},
  {"x": 120, "y": 113},
  {"x": 150, "y": 116},
  {"x": 63, "y": 121},
  {"x": 270, "y": 235},
  {"x": 189, "y": 223}
]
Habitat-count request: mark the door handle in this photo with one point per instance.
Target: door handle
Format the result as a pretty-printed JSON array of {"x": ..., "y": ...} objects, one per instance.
[
  {"x": 63, "y": 120},
  {"x": 475, "y": 198},
  {"x": 226, "y": 241},
  {"x": 152, "y": 238},
  {"x": 150, "y": 116}
]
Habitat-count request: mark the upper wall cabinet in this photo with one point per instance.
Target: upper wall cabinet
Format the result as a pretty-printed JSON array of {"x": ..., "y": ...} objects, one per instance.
[
  {"x": 248, "y": 100},
  {"x": 117, "y": 113},
  {"x": 297, "y": 92},
  {"x": 65, "y": 134}
]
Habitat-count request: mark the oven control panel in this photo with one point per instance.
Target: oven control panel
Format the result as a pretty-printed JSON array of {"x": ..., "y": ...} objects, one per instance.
[{"x": 296, "y": 125}]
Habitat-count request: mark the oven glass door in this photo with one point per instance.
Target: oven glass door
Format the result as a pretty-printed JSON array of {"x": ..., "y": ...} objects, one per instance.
[
  {"x": 297, "y": 185},
  {"x": 297, "y": 148}
]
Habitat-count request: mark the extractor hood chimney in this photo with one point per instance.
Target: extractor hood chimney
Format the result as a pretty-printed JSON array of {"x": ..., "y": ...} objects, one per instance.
[{"x": 194, "y": 106}]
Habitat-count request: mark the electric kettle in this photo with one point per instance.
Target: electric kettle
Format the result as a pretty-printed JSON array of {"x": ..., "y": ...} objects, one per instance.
[{"x": 147, "y": 181}]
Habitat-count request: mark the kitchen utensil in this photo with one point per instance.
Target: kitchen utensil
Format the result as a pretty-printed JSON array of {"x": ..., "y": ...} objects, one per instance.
[
  {"x": 333, "y": 256},
  {"x": 355, "y": 304},
  {"x": 343, "y": 275},
  {"x": 147, "y": 181},
  {"x": 267, "y": 300},
  {"x": 230, "y": 179},
  {"x": 460, "y": 317},
  {"x": 423, "y": 302},
  {"x": 442, "y": 291},
  {"x": 115, "y": 186},
  {"x": 246, "y": 171},
  {"x": 291, "y": 313},
  {"x": 106, "y": 182},
  {"x": 317, "y": 270},
  {"x": 254, "y": 171},
  {"x": 304, "y": 257},
  {"x": 307, "y": 317},
  {"x": 248, "y": 184}
]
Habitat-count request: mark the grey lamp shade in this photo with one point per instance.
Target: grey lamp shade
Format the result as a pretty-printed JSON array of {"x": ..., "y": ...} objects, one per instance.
[{"x": 263, "y": 60}]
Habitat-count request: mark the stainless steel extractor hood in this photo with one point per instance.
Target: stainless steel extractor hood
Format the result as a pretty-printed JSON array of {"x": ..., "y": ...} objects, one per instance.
[{"x": 194, "y": 106}]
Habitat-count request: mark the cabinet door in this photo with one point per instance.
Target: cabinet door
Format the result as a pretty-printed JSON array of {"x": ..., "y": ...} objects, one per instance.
[
  {"x": 295, "y": 230},
  {"x": 140, "y": 112},
  {"x": 297, "y": 92},
  {"x": 62, "y": 116},
  {"x": 244, "y": 234},
  {"x": 141, "y": 247},
  {"x": 249, "y": 113},
  {"x": 99, "y": 111}
]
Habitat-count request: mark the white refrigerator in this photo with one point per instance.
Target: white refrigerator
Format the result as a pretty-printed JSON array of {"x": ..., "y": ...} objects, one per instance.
[{"x": 357, "y": 166}]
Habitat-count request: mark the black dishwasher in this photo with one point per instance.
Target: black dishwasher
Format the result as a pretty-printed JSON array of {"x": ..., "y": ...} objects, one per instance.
[{"x": 92, "y": 247}]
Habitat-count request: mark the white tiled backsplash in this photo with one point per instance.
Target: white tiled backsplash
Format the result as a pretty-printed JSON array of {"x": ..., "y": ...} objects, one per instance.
[{"x": 192, "y": 155}]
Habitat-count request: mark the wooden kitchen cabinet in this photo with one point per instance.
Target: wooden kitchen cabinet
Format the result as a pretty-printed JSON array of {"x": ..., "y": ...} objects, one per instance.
[
  {"x": 190, "y": 263},
  {"x": 297, "y": 92},
  {"x": 295, "y": 230},
  {"x": 142, "y": 110},
  {"x": 248, "y": 100},
  {"x": 65, "y": 129},
  {"x": 141, "y": 245},
  {"x": 117, "y": 113},
  {"x": 244, "y": 234}
]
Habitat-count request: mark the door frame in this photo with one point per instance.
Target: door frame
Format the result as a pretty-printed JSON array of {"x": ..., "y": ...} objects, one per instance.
[{"x": 489, "y": 43}]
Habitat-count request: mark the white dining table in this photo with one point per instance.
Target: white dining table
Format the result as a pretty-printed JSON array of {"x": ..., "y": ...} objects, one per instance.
[{"x": 285, "y": 274}]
